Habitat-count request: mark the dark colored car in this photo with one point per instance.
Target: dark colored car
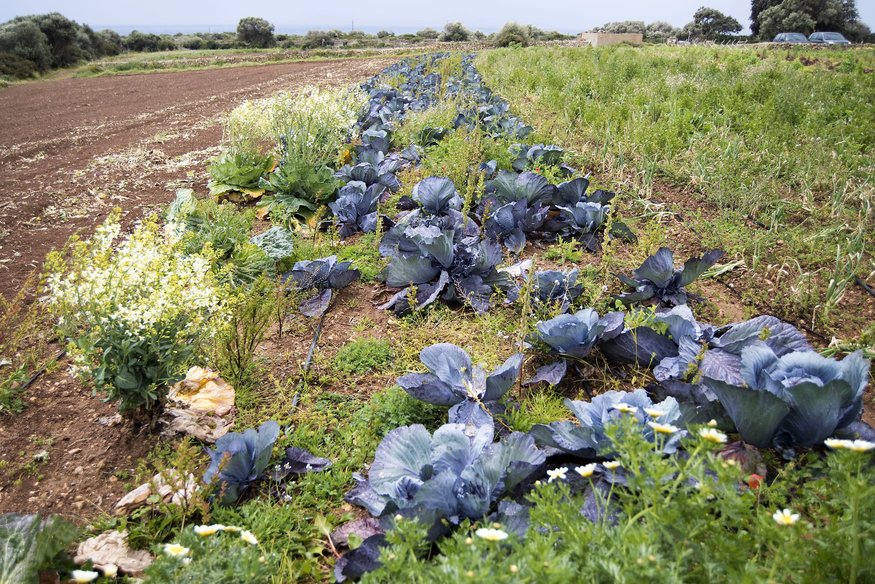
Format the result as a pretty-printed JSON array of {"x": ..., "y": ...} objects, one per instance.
[
  {"x": 790, "y": 37},
  {"x": 828, "y": 38}
]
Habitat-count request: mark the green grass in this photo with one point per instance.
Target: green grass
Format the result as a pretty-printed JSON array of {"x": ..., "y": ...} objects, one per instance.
[
  {"x": 782, "y": 139},
  {"x": 364, "y": 355}
]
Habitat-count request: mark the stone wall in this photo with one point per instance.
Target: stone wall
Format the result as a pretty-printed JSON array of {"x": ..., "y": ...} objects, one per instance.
[{"x": 603, "y": 39}]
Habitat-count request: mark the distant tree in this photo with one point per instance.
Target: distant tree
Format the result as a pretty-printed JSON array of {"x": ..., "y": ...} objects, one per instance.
[
  {"x": 62, "y": 34},
  {"x": 384, "y": 34},
  {"x": 25, "y": 40},
  {"x": 806, "y": 16},
  {"x": 710, "y": 24},
  {"x": 659, "y": 31},
  {"x": 757, "y": 7},
  {"x": 857, "y": 31},
  {"x": 142, "y": 42},
  {"x": 110, "y": 42},
  {"x": 623, "y": 27},
  {"x": 255, "y": 32},
  {"x": 455, "y": 32},
  {"x": 478, "y": 35},
  {"x": 317, "y": 39},
  {"x": 166, "y": 43},
  {"x": 193, "y": 43},
  {"x": 428, "y": 33},
  {"x": 534, "y": 33},
  {"x": 84, "y": 45},
  {"x": 512, "y": 34},
  {"x": 555, "y": 35}
]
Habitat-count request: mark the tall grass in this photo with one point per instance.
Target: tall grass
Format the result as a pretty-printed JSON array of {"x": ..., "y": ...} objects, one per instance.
[{"x": 783, "y": 138}]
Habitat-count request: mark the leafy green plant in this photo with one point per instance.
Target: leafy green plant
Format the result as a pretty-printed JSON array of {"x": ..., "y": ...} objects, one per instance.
[
  {"x": 251, "y": 315},
  {"x": 221, "y": 231},
  {"x": 158, "y": 520},
  {"x": 300, "y": 188},
  {"x": 135, "y": 315},
  {"x": 363, "y": 355},
  {"x": 29, "y": 544},
  {"x": 564, "y": 251},
  {"x": 221, "y": 554},
  {"x": 238, "y": 171}
]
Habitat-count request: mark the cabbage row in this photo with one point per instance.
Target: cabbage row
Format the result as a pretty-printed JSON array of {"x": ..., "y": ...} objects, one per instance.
[{"x": 758, "y": 378}]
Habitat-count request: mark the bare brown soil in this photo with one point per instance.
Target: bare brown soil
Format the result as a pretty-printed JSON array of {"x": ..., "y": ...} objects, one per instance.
[{"x": 71, "y": 150}]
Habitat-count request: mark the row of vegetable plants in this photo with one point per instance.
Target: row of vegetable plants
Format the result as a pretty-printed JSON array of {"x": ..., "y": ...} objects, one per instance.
[{"x": 758, "y": 378}]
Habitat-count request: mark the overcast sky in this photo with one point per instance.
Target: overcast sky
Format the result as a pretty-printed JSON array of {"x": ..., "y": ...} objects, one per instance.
[{"x": 567, "y": 16}]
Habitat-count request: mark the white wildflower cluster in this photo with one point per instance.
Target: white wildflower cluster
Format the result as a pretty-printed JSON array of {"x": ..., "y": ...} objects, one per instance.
[
  {"x": 135, "y": 312},
  {"x": 312, "y": 119},
  {"x": 142, "y": 284}
]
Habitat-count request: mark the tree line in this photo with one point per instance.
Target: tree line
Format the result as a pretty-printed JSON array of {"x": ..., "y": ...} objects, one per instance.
[
  {"x": 32, "y": 45},
  {"x": 767, "y": 17}
]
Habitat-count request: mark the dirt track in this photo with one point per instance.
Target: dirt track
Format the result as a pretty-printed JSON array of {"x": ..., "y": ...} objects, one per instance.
[
  {"x": 73, "y": 149},
  {"x": 70, "y": 151}
]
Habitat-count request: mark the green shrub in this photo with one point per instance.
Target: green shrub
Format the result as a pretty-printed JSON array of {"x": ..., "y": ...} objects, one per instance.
[
  {"x": 512, "y": 34},
  {"x": 363, "y": 355},
  {"x": 252, "y": 314},
  {"x": 136, "y": 315},
  {"x": 255, "y": 32},
  {"x": 15, "y": 67},
  {"x": 25, "y": 40}
]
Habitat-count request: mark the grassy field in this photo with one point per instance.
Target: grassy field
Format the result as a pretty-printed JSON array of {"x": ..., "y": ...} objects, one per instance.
[{"x": 766, "y": 153}]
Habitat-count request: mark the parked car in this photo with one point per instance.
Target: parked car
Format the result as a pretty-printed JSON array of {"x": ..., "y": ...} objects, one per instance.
[
  {"x": 828, "y": 38},
  {"x": 790, "y": 37}
]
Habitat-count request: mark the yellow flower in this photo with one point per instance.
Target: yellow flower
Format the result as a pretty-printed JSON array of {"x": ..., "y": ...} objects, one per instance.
[
  {"x": 83, "y": 576},
  {"x": 586, "y": 470},
  {"x": 248, "y": 537},
  {"x": 712, "y": 435},
  {"x": 491, "y": 534},
  {"x": 176, "y": 550},
  {"x": 207, "y": 530},
  {"x": 653, "y": 412},
  {"x": 785, "y": 517},
  {"x": 625, "y": 408},
  {"x": 514, "y": 569},
  {"x": 611, "y": 464},
  {"x": 712, "y": 423},
  {"x": 663, "y": 428},
  {"x": 557, "y": 473},
  {"x": 853, "y": 445}
]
